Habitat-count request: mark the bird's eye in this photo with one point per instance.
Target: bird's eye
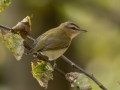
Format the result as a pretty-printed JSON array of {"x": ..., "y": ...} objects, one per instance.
[{"x": 73, "y": 27}]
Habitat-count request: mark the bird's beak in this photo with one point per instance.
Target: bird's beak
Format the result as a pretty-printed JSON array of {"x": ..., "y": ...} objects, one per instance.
[{"x": 82, "y": 30}]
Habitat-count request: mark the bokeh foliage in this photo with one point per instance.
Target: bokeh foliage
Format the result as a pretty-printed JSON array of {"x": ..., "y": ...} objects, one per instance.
[
  {"x": 97, "y": 51},
  {"x": 4, "y": 4}
]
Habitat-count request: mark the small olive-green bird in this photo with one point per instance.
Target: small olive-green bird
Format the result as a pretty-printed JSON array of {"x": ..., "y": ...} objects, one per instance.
[{"x": 54, "y": 42}]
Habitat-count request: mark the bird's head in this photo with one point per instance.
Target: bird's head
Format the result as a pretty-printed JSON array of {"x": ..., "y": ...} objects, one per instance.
[{"x": 71, "y": 29}]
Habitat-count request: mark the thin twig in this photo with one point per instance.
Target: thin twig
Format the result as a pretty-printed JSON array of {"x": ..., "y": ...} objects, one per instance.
[
  {"x": 59, "y": 71},
  {"x": 30, "y": 38},
  {"x": 5, "y": 27},
  {"x": 63, "y": 74},
  {"x": 83, "y": 71},
  {"x": 67, "y": 60}
]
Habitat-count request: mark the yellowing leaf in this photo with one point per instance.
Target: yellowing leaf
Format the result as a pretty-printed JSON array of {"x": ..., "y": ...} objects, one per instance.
[
  {"x": 23, "y": 28},
  {"x": 13, "y": 42},
  {"x": 78, "y": 80},
  {"x": 42, "y": 72},
  {"x": 4, "y": 4}
]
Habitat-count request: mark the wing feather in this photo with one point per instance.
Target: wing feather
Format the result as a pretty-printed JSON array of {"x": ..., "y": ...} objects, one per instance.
[{"x": 51, "y": 41}]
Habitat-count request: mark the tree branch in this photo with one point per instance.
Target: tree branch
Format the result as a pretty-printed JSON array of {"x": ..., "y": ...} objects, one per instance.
[
  {"x": 83, "y": 71},
  {"x": 5, "y": 27},
  {"x": 66, "y": 59}
]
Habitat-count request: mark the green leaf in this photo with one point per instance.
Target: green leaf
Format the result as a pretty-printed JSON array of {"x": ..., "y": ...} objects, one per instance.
[
  {"x": 78, "y": 80},
  {"x": 4, "y": 4},
  {"x": 13, "y": 42},
  {"x": 42, "y": 72}
]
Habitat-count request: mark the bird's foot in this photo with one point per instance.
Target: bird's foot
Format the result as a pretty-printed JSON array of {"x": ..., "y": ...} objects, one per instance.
[
  {"x": 36, "y": 54},
  {"x": 27, "y": 53},
  {"x": 55, "y": 64}
]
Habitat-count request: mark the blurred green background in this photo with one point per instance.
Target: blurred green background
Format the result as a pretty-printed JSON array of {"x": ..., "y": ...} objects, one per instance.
[{"x": 97, "y": 51}]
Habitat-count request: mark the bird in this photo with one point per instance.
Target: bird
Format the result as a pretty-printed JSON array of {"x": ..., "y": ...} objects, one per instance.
[{"x": 54, "y": 42}]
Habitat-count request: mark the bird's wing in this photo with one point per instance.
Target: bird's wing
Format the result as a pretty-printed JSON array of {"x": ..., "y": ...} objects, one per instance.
[
  {"x": 38, "y": 39},
  {"x": 53, "y": 43},
  {"x": 38, "y": 44}
]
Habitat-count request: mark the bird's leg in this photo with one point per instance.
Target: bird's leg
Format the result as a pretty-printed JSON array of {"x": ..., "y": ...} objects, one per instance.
[{"x": 55, "y": 64}]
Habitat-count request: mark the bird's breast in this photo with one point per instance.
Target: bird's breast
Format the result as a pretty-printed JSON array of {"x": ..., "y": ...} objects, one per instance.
[{"x": 53, "y": 54}]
